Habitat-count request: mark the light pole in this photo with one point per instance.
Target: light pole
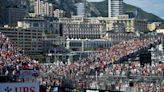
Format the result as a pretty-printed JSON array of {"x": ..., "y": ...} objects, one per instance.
[
  {"x": 49, "y": 57},
  {"x": 96, "y": 80},
  {"x": 54, "y": 55}
]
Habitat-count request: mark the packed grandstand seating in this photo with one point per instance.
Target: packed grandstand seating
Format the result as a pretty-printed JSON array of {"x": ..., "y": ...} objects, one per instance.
[
  {"x": 12, "y": 60},
  {"x": 82, "y": 73},
  {"x": 88, "y": 73}
]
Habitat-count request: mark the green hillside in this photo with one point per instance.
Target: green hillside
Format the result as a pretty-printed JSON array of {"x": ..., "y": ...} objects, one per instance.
[
  {"x": 100, "y": 9},
  {"x": 142, "y": 14}
]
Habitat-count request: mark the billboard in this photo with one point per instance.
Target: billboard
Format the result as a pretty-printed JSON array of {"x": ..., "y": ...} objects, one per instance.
[{"x": 19, "y": 87}]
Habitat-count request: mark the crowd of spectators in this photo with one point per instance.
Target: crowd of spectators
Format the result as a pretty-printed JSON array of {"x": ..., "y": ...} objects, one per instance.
[
  {"x": 125, "y": 48},
  {"x": 124, "y": 84},
  {"x": 12, "y": 60},
  {"x": 136, "y": 69},
  {"x": 85, "y": 73}
]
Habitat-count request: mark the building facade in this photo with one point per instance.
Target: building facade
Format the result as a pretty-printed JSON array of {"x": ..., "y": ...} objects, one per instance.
[
  {"x": 51, "y": 43},
  {"x": 87, "y": 44},
  {"x": 153, "y": 26},
  {"x": 48, "y": 8},
  {"x": 83, "y": 30},
  {"x": 52, "y": 26},
  {"x": 115, "y": 8},
  {"x": 49, "y": 25},
  {"x": 38, "y": 7},
  {"x": 117, "y": 37},
  {"x": 43, "y": 8},
  {"x": 28, "y": 40},
  {"x": 80, "y": 9},
  {"x": 73, "y": 19},
  {"x": 10, "y": 16},
  {"x": 59, "y": 13},
  {"x": 49, "y": 28},
  {"x": 32, "y": 23},
  {"x": 130, "y": 24}
]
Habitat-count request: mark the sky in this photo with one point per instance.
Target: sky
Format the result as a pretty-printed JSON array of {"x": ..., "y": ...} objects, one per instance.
[{"x": 152, "y": 6}]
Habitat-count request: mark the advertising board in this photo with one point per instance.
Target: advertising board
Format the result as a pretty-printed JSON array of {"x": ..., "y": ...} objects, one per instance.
[
  {"x": 19, "y": 87},
  {"x": 28, "y": 73}
]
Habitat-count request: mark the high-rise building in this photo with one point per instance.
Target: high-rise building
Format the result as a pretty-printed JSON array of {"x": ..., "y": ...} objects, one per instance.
[
  {"x": 46, "y": 8},
  {"x": 115, "y": 8},
  {"x": 80, "y": 9},
  {"x": 51, "y": 9},
  {"x": 43, "y": 8},
  {"x": 38, "y": 10}
]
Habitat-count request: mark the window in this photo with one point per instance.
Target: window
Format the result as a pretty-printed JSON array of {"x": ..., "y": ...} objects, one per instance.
[{"x": 35, "y": 25}]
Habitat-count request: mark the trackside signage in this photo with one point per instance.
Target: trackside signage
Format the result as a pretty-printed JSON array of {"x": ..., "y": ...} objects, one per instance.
[{"x": 19, "y": 87}]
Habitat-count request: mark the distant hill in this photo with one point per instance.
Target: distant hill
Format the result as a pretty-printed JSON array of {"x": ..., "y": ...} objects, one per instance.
[
  {"x": 102, "y": 8},
  {"x": 142, "y": 14},
  {"x": 95, "y": 8},
  {"x": 69, "y": 6}
]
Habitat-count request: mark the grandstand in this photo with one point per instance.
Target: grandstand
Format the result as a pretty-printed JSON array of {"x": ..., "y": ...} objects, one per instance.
[{"x": 100, "y": 71}]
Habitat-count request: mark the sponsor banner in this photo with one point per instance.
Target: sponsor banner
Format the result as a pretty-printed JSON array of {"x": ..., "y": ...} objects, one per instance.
[
  {"x": 28, "y": 73},
  {"x": 19, "y": 87}
]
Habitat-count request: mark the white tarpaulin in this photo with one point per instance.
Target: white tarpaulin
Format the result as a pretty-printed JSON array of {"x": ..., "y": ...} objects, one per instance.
[{"x": 19, "y": 87}]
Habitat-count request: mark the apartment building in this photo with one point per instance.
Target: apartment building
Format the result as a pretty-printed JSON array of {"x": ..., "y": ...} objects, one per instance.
[
  {"x": 115, "y": 8},
  {"x": 130, "y": 24},
  {"x": 45, "y": 24},
  {"x": 29, "y": 40},
  {"x": 83, "y": 30}
]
